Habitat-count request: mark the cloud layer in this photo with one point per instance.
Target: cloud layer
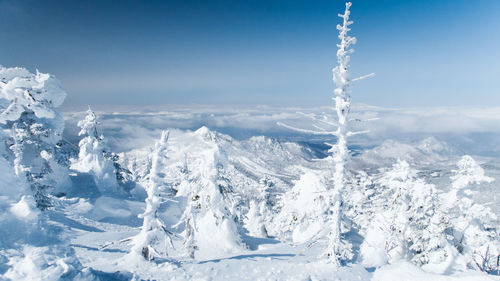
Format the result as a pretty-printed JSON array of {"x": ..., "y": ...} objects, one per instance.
[{"x": 471, "y": 129}]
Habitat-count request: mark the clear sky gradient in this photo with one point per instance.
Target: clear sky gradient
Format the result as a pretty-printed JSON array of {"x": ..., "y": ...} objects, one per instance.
[{"x": 425, "y": 53}]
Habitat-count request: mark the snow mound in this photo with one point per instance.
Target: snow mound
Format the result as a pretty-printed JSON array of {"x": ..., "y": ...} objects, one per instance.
[{"x": 46, "y": 263}]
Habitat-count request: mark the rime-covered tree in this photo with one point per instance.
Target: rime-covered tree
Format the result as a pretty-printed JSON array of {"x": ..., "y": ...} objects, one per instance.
[
  {"x": 304, "y": 206},
  {"x": 154, "y": 239},
  {"x": 338, "y": 249},
  {"x": 188, "y": 218},
  {"x": 258, "y": 217},
  {"x": 475, "y": 227},
  {"x": 96, "y": 158},
  {"x": 32, "y": 129},
  {"x": 409, "y": 223},
  {"x": 209, "y": 215},
  {"x": 255, "y": 219}
]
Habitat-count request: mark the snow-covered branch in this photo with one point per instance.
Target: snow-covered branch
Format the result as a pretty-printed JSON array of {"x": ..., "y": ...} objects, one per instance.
[
  {"x": 349, "y": 134},
  {"x": 364, "y": 120},
  {"x": 325, "y": 120},
  {"x": 363, "y": 77},
  {"x": 305, "y": 131}
]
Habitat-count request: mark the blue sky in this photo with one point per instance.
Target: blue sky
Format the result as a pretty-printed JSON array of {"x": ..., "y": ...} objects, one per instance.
[{"x": 425, "y": 53}]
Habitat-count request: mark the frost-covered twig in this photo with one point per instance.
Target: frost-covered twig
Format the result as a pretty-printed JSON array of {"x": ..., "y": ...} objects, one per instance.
[
  {"x": 363, "y": 77},
  {"x": 364, "y": 120},
  {"x": 108, "y": 244},
  {"x": 311, "y": 116},
  {"x": 349, "y": 134},
  {"x": 306, "y": 131}
]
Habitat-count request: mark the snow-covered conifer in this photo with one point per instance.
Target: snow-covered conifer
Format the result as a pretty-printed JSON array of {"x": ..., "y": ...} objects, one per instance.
[
  {"x": 255, "y": 220},
  {"x": 475, "y": 227},
  {"x": 96, "y": 158},
  {"x": 304, "y": 206},
  {"x": 258, "y": 218},
  {"x": 409, "y": 223},
  {"x": 33, "y": 127},
  {"x": 208, "y": 218},
  {"x": 154, "y": 238},
  {"x": 468, "y": 172}
]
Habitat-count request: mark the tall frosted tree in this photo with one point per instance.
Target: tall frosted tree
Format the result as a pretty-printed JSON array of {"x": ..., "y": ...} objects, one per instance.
[
  {"x": 337, "y": 248},
  {"x": 32, "y": 129}
]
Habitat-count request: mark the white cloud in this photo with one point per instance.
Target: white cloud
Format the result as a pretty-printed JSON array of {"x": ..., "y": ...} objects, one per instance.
[{"x": 138, "y": 127}]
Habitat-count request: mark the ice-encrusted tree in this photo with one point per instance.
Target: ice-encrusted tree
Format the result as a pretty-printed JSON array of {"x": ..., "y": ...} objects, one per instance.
[
  {"x": 468, "y": 172},
  {"x": 301, "y": 215},
  {"x": 33, "y": 129},
  {"x": 209, "y": 218},
  {"x": 337, "y": 249},
  {"x": 475, "y": 227},
  {"x": 154, "y": 239},
  {"x": 255, "y": 219},
  {"x": 188, "y": 218},
  {"x": 409, "y": 222},
  {"x": 96, "y": 158},
  {"x": 258, "y": 207}
]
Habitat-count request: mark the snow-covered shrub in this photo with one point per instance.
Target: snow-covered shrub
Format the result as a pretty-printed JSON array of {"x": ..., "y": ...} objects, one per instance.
[
  {"x": 32, "y": 127},
  {"x": 408, "y": 223},
  {"x": 96, "y": 158},
  {"x": 154, "y": 238},
  {"x": 475, "y": 227}
]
